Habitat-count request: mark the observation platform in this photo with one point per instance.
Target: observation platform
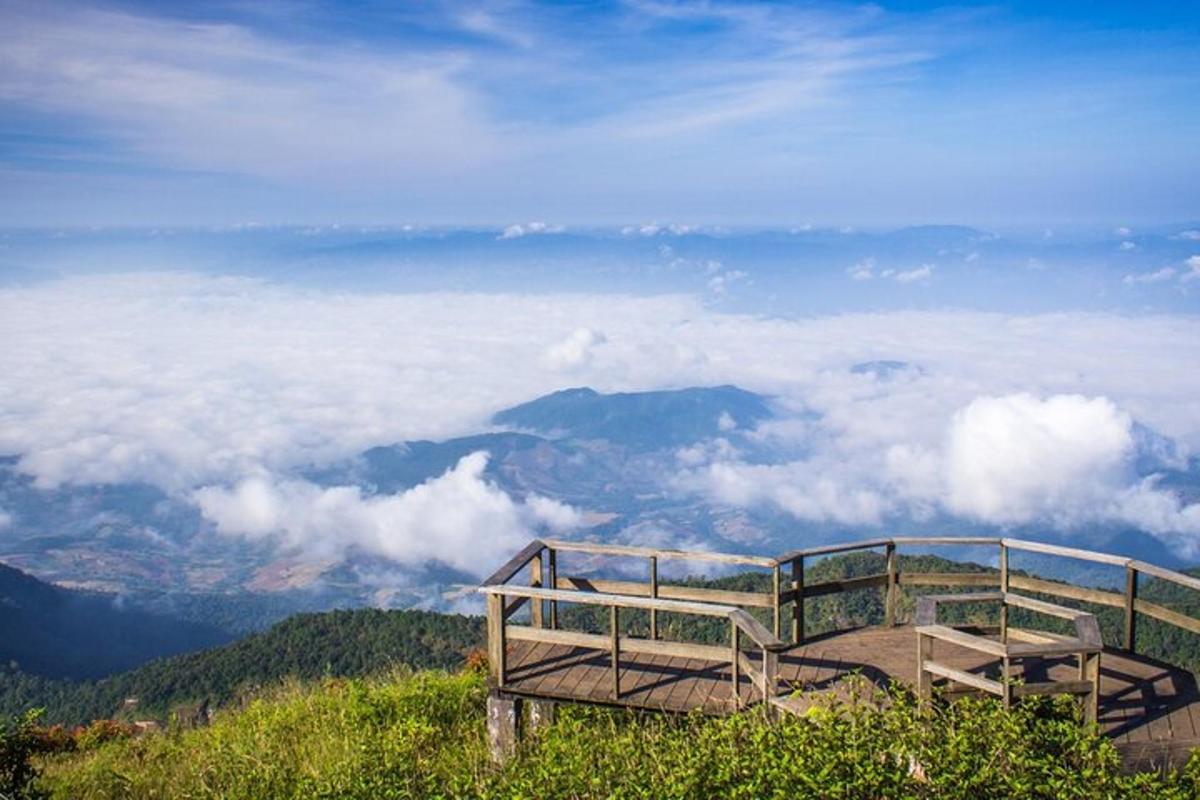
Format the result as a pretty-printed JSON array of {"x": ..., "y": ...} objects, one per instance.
[{"x": 1149, "y": 708}]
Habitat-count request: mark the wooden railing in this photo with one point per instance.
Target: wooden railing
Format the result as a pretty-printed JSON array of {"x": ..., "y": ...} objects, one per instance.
[{"x": 547, "y": 588}]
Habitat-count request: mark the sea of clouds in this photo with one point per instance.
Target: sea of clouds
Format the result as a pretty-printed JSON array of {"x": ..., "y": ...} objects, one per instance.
[{"x": 219, "y": 389}]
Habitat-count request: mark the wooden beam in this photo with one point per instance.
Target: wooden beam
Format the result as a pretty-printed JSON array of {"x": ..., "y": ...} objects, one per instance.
[
  {"x": 495, "y": 630},
  {"x": 1131, "y": 587},
  {"x": 845, "y": 585},
  {"x": 614, "y": 624},
  {"x": 962, "y": 639},
  {"x": 1165, "y": 574},
  {"x": 1098, "y": 596},
  {"x": 945, "y": 540},
  {"x": 776, "y": 616},
  {"x": 535, "y": 579},
  {"x": 965, "y": 678},
  {"x": 629, "y": 644},
  {"x": 1166, "y": 615},
  {"x": 948, "y": 579},
  {"x": 1067, "y": 552},
  {"x": 798, "y": 600},
  {"x": 829, "y": 549},
  {"x": 653, "y": 593},
  {"x": 514, "y": 564},
  {"x": 1052, "y": 687},
  {"x": 890, "y": 594},
  {"x": 553, "y": 585},
  {"x": 1042, "y": 607},
  {"x": 622, "y": 600},
  {"x": 735, "y": 658},
  {"x": 698, "y": 594},
  {"x": 755, "y": 630},
  {"x": 597, "y": 548}
]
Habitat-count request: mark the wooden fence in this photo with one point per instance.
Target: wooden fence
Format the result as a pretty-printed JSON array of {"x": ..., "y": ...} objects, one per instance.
[{"x": 547, "y": 588}]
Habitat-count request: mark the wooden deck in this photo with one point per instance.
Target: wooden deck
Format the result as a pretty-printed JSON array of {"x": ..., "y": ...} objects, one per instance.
[{"x": 1150, "y": 709}]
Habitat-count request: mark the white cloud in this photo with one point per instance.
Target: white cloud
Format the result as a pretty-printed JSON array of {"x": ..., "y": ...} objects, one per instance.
[
  {"x": 188, "y": 381},
  {"x": 1018, "y": 458},
  {"x": 1123, "y": 231},
  {"x": 1127, "y": 246},
  {"x": 921, "y": 273},
  {"x": 459, "y": 518},
  {"x": 1157, "y": 276},
  {"x": 1065, "y": 461},
  {"x": 863, "y": 270},
  {"x": 5, "y": 519},
  {"x": 1193, "y": 264},
  {"x": 516, "y": 231},
  {"x": 1189, "y": 236},
  {"x": 207, "y": 96},
  {"x": 575, "y": 351}
]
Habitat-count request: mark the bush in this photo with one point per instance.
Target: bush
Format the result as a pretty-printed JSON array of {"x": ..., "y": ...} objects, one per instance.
[
  {"x": 19, "y": 743},
  {"x": 422, "y": 736}
]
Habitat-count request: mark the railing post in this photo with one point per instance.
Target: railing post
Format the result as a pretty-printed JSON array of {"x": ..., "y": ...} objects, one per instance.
[
  {"x": 889, "y": 610},
  {"x": 535, "y": 579},
  {"x": 495, "y": 625},
  {"x": 1003, "y": 588},
  {"x": 769, "y": 665},
  {"x": 775, "y": 583},
  {"x": 553, "y": 558},
  {"x": 924, "y": 679},
  {"x": 798, "y": 600},
  {"x": 614, "y": 621},
  {"x": 1131, "y": 586},
  {"x": 654, "y": 593},
  {"x": 735, "y": 636}
]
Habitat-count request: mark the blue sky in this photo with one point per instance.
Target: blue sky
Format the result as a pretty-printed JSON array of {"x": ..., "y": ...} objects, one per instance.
[{"x": 734, "y": 113}]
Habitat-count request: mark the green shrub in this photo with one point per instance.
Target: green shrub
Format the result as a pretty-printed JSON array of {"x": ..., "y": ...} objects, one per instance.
[
  {"x": 422, "y": 736},
  {"x": 20, "y": 742}
]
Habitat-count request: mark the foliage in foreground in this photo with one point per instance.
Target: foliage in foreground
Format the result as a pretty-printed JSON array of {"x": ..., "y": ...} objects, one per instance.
[{"x": 422, "y": 736}]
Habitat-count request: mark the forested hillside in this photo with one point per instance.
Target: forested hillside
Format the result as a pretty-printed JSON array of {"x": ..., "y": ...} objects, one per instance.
[
  {"x": 307, "y": 646},
  {"x": 55, "y": 632}
]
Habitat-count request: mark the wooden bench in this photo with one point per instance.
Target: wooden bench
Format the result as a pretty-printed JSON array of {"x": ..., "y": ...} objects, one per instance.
[{"x": 1085, "y": 645}]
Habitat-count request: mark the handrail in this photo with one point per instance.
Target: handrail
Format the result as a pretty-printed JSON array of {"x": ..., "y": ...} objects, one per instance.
[
  {"x": 659, "y": 552},
  {"x": 795, "y": 592},
  {"x": 515, "y": 564},
  {"x": 740, "y": 623}
]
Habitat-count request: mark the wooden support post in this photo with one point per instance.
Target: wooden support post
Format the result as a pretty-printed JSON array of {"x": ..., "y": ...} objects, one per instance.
[
  {"x": 798, "y": 600},
  {"x": 553, "y": 558},
  {"x": 503, "y": 726},
  {"x": 770, "y": 665},
  {"x": 735, "y": 636},
  {"x": 1091, "y": 713},
  {"x": 535, "y": 579},
  {"x": 1006, "y": 681},
  {"x": 1003, "y": 567},
  {"x": 614, "y": 622},
  {"x": 654, "y": 593},
  {"x": 924, "y": 679},
  {"x": 1004, "y": 623},
  {"x": 775, "y": 589},
  {"x": 890, "y": 597},
  {"x": 1131, "y": 587},
  {"x": 541, "y": 713},
  {"x": 495, "y": 634}
]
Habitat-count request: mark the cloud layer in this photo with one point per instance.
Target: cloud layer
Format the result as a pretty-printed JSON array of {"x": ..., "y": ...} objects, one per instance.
[{"x": 219, "y": 389}]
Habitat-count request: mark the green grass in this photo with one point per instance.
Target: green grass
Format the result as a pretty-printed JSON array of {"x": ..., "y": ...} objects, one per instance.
[{"x": 422, "y": 736}]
